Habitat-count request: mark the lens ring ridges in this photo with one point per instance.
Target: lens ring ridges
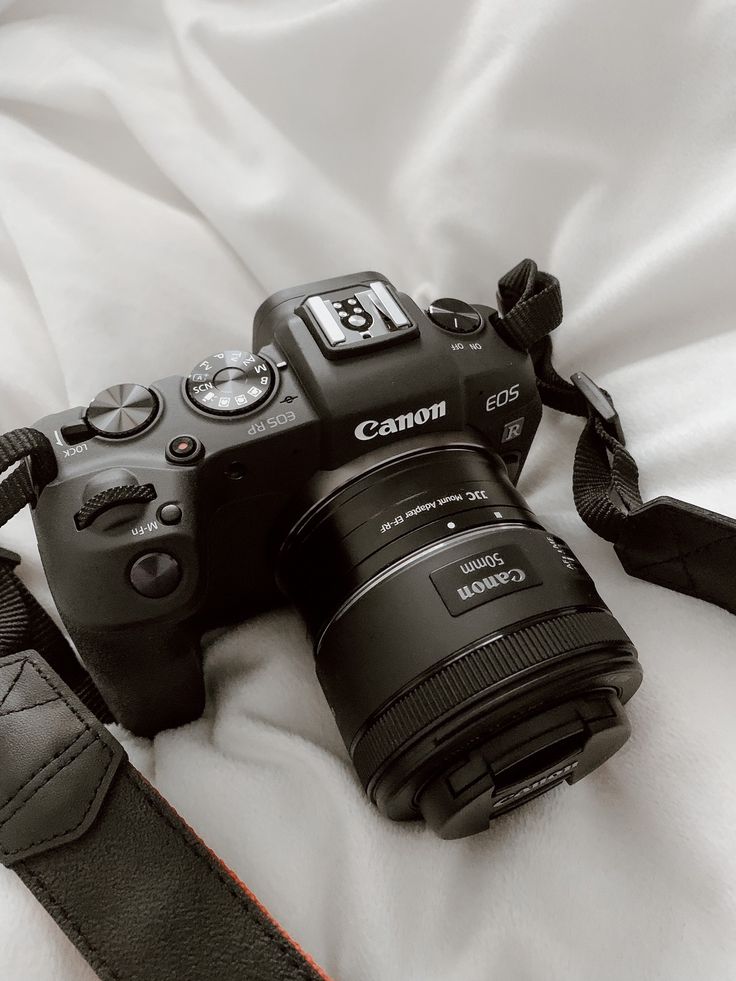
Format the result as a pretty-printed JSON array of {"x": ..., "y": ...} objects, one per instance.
[{"x": 463, "y": 676}]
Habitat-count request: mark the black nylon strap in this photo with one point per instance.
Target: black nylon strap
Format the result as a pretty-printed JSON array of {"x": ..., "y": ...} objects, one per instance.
[
  {"x": 38, "y": 467},
  {"x": 665, "y": 541},
  {"x": 25, "y": 623},
  {"x": 531, "y": 304}
]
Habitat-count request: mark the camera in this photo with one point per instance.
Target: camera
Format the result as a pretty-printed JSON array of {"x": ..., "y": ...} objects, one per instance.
[{"x": 363, "y": 463}]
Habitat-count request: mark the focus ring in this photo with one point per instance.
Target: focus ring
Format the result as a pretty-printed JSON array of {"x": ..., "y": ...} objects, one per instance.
[{"x": 480, "y": 667}]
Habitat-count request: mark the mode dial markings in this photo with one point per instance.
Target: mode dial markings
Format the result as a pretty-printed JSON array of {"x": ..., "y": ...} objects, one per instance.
[{"x": 230, "y": 382}]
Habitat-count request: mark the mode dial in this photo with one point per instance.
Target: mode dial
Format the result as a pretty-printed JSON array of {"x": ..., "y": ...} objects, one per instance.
[
  {"x": 230, "y": 382},
  {"x": 121, "y": 410}
]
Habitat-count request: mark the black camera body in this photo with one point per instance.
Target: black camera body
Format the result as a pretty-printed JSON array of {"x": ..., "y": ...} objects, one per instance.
[
  {"x": 363, "y": 462},
  {"x": 319, "y": 413}
]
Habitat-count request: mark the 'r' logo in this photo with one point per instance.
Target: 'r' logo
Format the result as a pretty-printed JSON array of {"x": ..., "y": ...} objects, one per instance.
[{"x": 512, "y": 430}]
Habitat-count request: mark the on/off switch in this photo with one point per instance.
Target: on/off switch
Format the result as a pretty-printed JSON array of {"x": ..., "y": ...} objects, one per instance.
[{"x": 455, "y": 316}]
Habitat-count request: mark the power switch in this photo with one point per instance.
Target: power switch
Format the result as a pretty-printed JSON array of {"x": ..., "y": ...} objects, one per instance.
[{"x": 454, "y": 316}]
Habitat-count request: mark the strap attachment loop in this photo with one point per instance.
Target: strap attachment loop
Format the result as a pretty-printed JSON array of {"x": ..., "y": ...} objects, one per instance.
[
  {"x": 665, "y": 541},
  {"x": 600, "y": 404}
]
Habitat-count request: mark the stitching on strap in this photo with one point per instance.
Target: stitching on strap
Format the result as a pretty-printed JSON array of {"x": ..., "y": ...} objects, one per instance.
[
  {"x": 731, "y": 537},
  {"x": 87, "y": 731},
  {"x": 27, "y": 708},
  {"x": 252, "y": 909},
  {"x": 51, "y": 776},
  {"x": 13, "y": 684},
  {"x": 682, "y": 556},
  {"x": 87, "y": 806},
  {"x": 96, "y": 959}
]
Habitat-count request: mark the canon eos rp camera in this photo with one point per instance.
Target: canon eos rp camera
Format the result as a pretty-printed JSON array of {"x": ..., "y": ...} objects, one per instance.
[{"x": 362, "y": 462}]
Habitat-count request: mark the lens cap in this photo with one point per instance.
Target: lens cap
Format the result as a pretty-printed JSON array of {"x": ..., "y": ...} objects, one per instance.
[{"x": 523, "y": 761}]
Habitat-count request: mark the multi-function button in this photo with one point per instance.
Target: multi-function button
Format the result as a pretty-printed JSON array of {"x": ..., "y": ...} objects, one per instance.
[
  {"x": 169, "y": 513},
  {"x": 230, "y": 383}
]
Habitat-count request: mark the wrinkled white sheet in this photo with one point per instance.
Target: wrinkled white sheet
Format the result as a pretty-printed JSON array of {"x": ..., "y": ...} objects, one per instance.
[{"x": 163, "y": 167}]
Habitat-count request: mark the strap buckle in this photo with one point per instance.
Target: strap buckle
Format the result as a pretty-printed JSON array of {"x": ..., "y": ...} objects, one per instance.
[
  {"x": 600, "y": 404},
  {"x": 12, "y": 558}
]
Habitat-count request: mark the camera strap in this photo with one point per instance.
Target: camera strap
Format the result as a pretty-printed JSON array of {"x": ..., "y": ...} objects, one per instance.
[
  {"x": 664, "y": 541},
  {"x": 132, "y": 886}
]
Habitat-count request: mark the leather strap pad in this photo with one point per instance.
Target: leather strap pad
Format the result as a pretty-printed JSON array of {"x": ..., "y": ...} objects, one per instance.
[
  {"x": 683, "y": 547},
  {"x": 58, "y": 761}
]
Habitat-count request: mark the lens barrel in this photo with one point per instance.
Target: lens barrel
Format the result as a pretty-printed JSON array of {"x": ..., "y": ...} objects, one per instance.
[{"x": 467, "y": 657}]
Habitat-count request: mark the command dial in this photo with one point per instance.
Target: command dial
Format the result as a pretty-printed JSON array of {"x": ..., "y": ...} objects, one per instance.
[{"x": 230, "y": 382}]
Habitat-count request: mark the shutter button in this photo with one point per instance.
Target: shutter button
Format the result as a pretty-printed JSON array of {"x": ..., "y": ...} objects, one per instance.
[{"x": 155, "y": 574}]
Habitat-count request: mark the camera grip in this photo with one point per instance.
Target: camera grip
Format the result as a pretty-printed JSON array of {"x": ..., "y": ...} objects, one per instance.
[{"x": 150, "y": 676}]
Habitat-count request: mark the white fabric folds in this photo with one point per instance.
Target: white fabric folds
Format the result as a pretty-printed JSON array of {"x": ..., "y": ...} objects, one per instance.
[{"x": 163, "y": 168}]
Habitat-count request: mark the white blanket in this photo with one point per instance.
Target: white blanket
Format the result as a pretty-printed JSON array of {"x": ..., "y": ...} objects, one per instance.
[{"x": 163, "y": 167}]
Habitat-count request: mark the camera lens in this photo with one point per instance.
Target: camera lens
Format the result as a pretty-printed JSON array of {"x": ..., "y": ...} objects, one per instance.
[{"x": 465, "y": 653}]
